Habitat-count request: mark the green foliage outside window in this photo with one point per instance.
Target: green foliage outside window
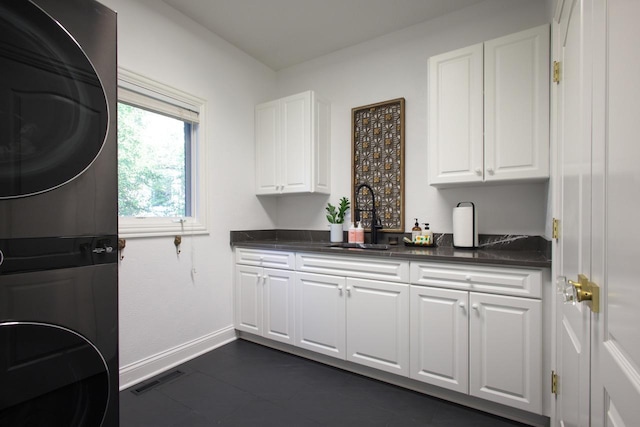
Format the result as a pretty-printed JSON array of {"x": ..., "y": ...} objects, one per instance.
[{"x": 151, "y": 163}]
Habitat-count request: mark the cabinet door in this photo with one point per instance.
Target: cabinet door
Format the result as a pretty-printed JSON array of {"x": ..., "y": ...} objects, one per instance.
[
  {"x": 439, "y": 337},
  {"x": 378, "y": 325},
  {"x": 321, "y": 145},
  {"x": 455, "y": 116},
  {"x": 278, "y": 305},
  {"x": 516, "y": 105},
  {"x": 267, "y": 129},
  {"x": 295, "y": 140},
  {"x": 505, "y": 350},
  {"x": 320, "y": 313},
  {"x": 248, "y": 297}
]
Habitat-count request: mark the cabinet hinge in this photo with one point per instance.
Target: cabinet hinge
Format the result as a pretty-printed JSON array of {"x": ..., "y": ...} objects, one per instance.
[
  {"x": 554, "y": 383},
  {"x": 556, "y": 72},
  {"x": 555, "y": 234}
]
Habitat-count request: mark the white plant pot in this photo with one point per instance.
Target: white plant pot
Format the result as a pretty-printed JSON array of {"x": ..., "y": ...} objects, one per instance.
[{"x": 336, "y": 232}]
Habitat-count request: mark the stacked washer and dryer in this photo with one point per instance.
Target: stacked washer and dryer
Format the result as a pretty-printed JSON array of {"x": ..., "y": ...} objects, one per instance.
[{"x": 58, "y": 214}]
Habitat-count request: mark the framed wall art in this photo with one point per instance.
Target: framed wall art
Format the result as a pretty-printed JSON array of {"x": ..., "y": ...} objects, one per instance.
[{"x": 377, "y": 156}]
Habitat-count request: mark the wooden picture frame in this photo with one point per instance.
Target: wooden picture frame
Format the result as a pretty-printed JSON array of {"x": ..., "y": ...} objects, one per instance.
[{"x": 377, "y": 159}]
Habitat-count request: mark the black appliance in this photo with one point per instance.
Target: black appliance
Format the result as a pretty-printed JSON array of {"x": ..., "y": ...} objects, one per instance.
[{"x": 58, "y": 214}]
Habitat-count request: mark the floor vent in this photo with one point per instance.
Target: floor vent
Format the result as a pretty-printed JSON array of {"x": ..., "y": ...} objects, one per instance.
[{"x": 150, "y": 385}]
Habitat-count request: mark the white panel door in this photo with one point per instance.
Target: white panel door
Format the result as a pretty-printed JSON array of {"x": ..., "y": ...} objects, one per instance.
[
  {"x": 278, "y": 305},
  {"x": 505, "y": 350},
  {"x": 321, "y": 146},
  {"x": 267, "y": 129},
  {"x": 456, "y": 116},
  {"x": 616, "y": 341},
  {"x": 378, "y": 325},
  {"x": 440, "y": 337},
  {"x": 320, "y": 313},
  {"x": 574, "y": 211},
  {"x": 296, "y": 143},
  {"x": 516, "y": 105},
  {"x": 248, "y": 297}
]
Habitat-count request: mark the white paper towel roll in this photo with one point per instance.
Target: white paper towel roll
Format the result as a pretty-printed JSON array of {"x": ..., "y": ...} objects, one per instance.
[{"x": 463, "y": 227}]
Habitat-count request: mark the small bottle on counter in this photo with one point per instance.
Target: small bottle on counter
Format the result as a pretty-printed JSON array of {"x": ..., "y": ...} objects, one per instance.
[
  {"x": 428, "y": 234},
  {"x": 359, "y": 233},
  {"x": 416, "y": 231},
  {"x": 352, "y": 233}
]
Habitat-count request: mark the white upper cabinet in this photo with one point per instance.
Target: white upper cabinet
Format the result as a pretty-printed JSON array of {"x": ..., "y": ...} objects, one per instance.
[
  {"x": 489, "y": 111},
  {"x": 293, "y": 136},
  {"x": 455, "y": 116},
  {"x": 516, "y": 106}
]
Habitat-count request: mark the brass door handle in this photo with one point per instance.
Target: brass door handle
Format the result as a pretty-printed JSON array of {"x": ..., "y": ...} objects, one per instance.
[{"x": 587, "y": 291}]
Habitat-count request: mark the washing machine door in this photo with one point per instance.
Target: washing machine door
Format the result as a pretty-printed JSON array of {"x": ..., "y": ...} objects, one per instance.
[
  {"x": 53, "y": 109},
  {"x": 50, "y": 376}
]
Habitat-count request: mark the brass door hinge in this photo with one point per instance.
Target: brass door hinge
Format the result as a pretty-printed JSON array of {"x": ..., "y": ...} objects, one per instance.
[
  {"x": 556, "y": 72},
  {"x": 555, "y": 234},
  {"x": 554, "y": 383}
]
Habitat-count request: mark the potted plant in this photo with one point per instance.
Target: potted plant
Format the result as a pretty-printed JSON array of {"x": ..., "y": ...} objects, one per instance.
[{"x": 335, "y": 216}]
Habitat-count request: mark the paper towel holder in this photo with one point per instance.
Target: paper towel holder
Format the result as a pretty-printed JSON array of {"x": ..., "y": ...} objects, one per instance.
[{"x": 473, "y": 220}]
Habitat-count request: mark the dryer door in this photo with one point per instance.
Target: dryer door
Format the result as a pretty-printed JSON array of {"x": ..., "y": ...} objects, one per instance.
[
  {"x": 50, "y": 374},
  {"x": 53, "y": 109}
]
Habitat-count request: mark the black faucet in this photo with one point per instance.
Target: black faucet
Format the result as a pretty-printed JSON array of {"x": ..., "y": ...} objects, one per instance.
[{"x": 375, "y": 221}]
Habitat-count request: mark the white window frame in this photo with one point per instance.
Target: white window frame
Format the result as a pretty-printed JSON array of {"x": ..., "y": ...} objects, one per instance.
[{"x": 131, "y": 84}]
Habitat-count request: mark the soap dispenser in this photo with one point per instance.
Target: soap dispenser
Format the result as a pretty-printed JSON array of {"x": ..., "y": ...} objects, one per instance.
[
  {"x": 415, "y": 231},
  {"x": 352, "y": 233},
  {"x": 428, "y": 234},
  {"x": 359, "y": 233}
]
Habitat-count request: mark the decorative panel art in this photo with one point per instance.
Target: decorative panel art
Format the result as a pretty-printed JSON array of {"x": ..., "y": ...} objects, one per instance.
[{"x": 378, "y": 160}]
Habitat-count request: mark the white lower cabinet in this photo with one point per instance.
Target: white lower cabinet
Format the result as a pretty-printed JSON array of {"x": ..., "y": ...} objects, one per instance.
[
  {"x": 264, "y": 299},
  {"x": 440, "y": 337},
  {"x": 489, "y": 346},
  {"x": 378, "y": 324},
  {"x": 360, "y": 320},
  {"x": 476, "y": 330},
  {"x": 505, "y": 350},
  {"x": 320, "y": 313},
  {"x": 264, "y": 302}
]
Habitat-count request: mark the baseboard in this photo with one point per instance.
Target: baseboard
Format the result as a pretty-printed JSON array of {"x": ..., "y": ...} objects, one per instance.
[{"x": 151, "y": 366}]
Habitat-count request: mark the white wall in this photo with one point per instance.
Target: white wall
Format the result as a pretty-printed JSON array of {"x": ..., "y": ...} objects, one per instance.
[
  {"x": 162, "y": 307},
  {"x": 395, "y": 66}
]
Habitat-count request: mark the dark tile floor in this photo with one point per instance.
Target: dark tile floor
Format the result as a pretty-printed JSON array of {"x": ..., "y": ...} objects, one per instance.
[{"x": 245, "y": 384}]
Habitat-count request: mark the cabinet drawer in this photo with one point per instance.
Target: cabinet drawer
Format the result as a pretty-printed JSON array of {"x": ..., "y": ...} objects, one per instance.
[
  {"x": 495, "y": 280},
  {"x": 262, "y": 258},
  {"x": 366, "y": 268}
]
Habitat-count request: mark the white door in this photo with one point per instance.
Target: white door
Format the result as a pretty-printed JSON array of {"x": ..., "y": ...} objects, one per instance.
[
  {"x": 267, "y": 129},
  {"x": 574, "y": 211},
  {"x": 440, "y": 337},
  {"x": 455, "y": 116},
  {"x": 378, "y": 325},
  {"x": 505, "y": 350},
  {"x": 295, "y": 139},
  {"x": 248, "y": 296},
  {"x": 516, "y": 105},
  {"x": 278, "y": 305},
  {"x": 615, "y": 339},
  {"x": 320, "y": 313}
]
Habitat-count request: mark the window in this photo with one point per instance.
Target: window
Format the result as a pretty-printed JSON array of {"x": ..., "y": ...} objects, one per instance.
[{"x": 160, "y": 175}]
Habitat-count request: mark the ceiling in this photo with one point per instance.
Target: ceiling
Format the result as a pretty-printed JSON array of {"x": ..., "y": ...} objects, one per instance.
[{"x": 282, "y": 33}]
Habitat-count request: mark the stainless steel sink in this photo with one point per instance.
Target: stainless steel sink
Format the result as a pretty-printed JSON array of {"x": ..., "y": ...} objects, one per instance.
[{"x": 369, "y": 246}]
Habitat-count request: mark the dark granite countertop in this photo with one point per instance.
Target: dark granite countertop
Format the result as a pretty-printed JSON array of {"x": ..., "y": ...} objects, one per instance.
[{"x": 507, "y": 250}]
